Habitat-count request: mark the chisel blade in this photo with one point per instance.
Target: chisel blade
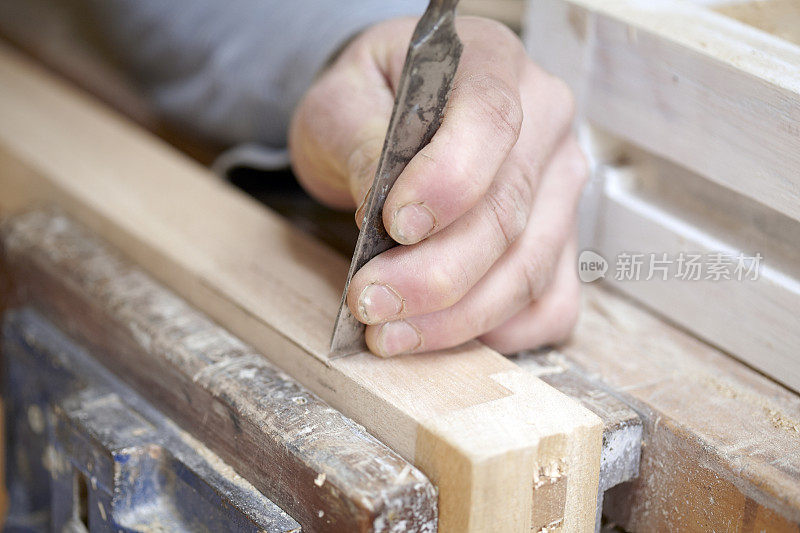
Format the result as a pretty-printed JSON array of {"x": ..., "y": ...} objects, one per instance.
[{"x": 422, "y": 93}]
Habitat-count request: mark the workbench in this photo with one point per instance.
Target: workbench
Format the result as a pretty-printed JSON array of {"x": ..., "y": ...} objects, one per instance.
[{"x": 162, "y": 371}]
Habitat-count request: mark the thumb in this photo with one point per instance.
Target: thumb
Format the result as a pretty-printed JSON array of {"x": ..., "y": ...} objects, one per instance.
[{"x": 337, "y": 131}]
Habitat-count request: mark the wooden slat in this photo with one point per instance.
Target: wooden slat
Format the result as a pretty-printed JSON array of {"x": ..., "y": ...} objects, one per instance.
[
  {"x": 482, "y": 429},
  {"x": 778, "y": 17},
  {"x": 755, "y": 317},
  {"x": 622, "y": 426},
  {"x": 684, "y": 82},
  {"x": 695, "y": 131},
  {"x": 509, "y": 12},
  {"x": 722, "y": 443}
]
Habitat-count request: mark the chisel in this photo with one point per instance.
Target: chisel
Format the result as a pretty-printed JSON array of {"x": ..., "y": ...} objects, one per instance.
[{"x": 422, "y": 94}]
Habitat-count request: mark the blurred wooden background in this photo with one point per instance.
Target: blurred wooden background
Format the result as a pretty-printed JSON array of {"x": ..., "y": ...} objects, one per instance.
[{"x": 509, "y": 12}]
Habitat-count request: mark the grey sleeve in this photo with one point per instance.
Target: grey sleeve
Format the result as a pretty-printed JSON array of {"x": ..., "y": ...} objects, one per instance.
[{"x": 233, "y": 70}]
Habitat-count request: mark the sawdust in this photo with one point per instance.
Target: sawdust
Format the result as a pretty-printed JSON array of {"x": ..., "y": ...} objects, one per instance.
[
  {"x": 782, "y": 422},
  {"x": 553, "y": 527},
  {"x": 777, "y": 417},
  {"x": 549, "y": 473}
]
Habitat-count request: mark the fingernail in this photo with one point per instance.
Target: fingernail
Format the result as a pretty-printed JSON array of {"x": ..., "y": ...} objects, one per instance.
[
  {"x": 398, "y": 337},
  {"x": 378, "y": 302},
  {"x": 412, "y": 223}
]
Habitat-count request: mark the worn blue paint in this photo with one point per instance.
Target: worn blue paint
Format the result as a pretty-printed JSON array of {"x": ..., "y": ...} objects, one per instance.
[{"x": 71, "y": 423}]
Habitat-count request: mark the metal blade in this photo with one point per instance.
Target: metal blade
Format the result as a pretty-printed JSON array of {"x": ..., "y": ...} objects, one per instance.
[{"x": 422, "y": 94}]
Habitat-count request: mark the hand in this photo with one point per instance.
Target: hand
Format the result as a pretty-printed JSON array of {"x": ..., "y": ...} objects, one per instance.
[{"x": 487, "y": 210}]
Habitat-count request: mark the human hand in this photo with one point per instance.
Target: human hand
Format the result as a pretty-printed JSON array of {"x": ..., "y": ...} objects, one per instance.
[{"x": 486, "y": 211}]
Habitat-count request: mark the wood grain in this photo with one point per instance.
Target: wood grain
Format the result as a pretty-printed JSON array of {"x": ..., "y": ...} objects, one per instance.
[
  {"x": 778, "y": 17},
  {"x": 710, "y": 220},
  {"x": 722, "y": 442},
  {"x": 708, "y": 108},
  {"x": 685, "y": 83},
  {"x": 509, "y": 12},
  {"x": 483, "y": 430}
]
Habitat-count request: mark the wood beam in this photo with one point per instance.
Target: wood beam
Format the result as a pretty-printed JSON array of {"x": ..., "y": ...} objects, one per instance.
[{"x": 507, "y": 451}]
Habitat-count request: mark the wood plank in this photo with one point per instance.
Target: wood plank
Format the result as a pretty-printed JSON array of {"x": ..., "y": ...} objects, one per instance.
[
  {"x": 778, "y": 17},
  {"x": 685, "y": 83},
  {"x": 694, "y": 128},
  {"x": 482, "y": 429},
  {"x": 509, "y": 12},
  {"x": 755, "y": 318},
  {"x": 326, "y": 472},
  {"x": 622, "y": 426},
  {"x": 722, "y": 443}
]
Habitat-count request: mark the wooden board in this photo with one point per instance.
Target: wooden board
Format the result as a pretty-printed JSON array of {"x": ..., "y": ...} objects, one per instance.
[
  {"x": 694, "y": 129},
  {"x": 722, "y": 443},
  {"x": 509, "y": 12},
  {"x": 487, "y": 433},
  {"x": 328, "y": 473},
  {"x": 678, "y": 215},
  {"x": 622, "y": 426},
  {"x": 685, "y": 83},
  {"x": 778, "y": 17}
]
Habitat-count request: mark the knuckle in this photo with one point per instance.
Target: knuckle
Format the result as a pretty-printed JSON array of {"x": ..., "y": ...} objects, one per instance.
[
  {"x": 362, "y": 160},
  {"x": 499, "y": 104},
  {"x": 448, "y": 281},
  {"x": 536, "y": 274},
  {"x": 508, "y": 207},
  {"x": 453, "y": 172},
  {"x": 465, "y": 179}
]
